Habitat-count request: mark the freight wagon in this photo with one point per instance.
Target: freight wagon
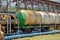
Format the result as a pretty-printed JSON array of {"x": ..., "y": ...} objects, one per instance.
[{"x": 30, "y": 20}]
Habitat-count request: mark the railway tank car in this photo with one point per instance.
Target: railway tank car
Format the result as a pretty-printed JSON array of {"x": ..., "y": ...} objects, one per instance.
[
  {"x": 28, "y": 17},
  {"x": 29, "y": 20}
]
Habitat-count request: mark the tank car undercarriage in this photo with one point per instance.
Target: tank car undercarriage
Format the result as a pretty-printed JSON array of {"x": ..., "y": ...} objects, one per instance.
[
  {"x": 10, "y": 27},
  {"x": 33, "y": 29}
]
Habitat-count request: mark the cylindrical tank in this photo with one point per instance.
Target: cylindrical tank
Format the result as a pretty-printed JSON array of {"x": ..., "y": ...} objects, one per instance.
[
  {"x": 29, "y": 17},
  {"x": 54, "y": 18},
  {"x": 22, "y": 17},
  {"x": 33, "y": 16},
  {"x": 58, "y": 19},
  {"x": 51, "y": 18},
  {"x": 45, "y": 18},
  {"x": 39, "y": 18}
]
